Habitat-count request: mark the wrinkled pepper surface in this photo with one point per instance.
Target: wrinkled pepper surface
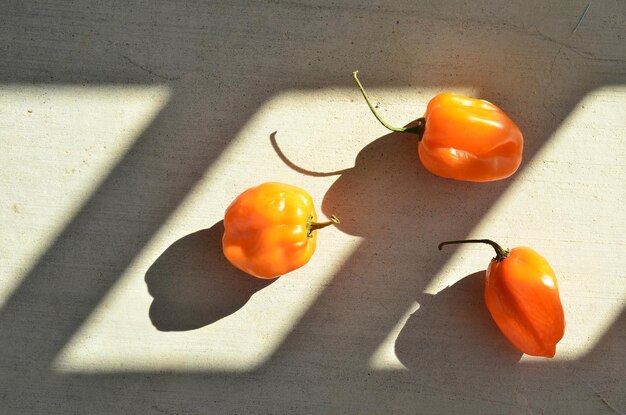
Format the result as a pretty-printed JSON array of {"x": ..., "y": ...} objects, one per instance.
[
  {"x": 464, "y": 138},
  {"x": 270, "y": 230},
  {"x": 522, "y": 295}
]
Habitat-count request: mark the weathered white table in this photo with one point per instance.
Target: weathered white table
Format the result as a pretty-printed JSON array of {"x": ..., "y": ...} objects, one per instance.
[{"x": 126, "y": 128}]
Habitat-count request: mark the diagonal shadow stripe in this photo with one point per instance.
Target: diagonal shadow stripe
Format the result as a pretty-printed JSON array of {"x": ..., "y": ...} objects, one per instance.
[{"x": 109, "y": 231}]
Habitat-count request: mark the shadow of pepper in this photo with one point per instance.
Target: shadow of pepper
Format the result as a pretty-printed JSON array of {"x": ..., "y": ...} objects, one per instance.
[
  {"x": 389, "y": 189},
  {"x": 389, "y": 178},
  {"x": 193, "y": 284},
  {"x": 451, "y": 341},
  {"x": 401, "y": 212}
]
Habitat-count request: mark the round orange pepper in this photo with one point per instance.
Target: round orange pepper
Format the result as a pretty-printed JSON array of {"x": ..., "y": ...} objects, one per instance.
[
  {"x": 522, "y": 295},
  {"x": 270, "y": 230},
  {"x": 464, "y": 138}
]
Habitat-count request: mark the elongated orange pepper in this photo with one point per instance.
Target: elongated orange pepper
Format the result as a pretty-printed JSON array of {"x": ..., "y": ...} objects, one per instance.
[
  {"x": 270, "y": 230},
  {"x": 464, "y": 138},
  {"x": 522, "y": 295}
]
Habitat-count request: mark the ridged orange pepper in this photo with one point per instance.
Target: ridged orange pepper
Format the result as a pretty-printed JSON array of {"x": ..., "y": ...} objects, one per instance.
[
  {"x": 522, "y": 295},
  {"x": 270, "y": 230},
  {"x": 464, "y": 138}
]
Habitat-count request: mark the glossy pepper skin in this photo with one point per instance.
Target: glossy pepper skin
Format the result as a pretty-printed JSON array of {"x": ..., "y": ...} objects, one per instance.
[
  {"x": 464, "y": 138},
  {"x": 522, "y": 295},
  {"x": 270, "y": 230}
]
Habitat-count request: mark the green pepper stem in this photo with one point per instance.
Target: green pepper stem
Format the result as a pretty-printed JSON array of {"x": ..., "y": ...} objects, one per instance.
[
  {"x": 334, "y": 220},
  {"x": 418, "y": 129},
  {"x": 500, "y": 252}
]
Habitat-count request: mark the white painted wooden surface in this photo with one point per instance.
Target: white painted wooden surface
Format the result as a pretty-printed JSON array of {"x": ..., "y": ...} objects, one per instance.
[{"x": 126, "y": 128}]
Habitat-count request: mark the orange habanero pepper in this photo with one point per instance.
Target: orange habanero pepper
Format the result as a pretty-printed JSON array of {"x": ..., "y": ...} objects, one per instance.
[
  {"x": 464, "y": 138},
  {"x": 522, "y": 295},
  {"x": 270, "y": 230}
]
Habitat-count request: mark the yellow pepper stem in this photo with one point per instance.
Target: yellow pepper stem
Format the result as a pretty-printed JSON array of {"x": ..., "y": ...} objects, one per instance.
[
  {"x": 312, "y": 226},
  {"x": 418, "y": 129},
  {"x": 500, "y": 252}
]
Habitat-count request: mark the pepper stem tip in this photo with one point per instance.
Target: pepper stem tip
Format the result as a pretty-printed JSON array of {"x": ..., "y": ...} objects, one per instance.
[{"x": 418, "y": 129}]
